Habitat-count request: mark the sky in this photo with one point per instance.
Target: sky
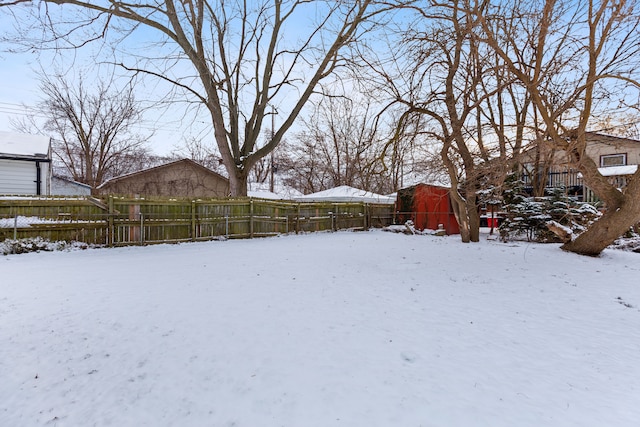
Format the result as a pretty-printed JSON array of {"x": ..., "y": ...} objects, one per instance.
[
  {"x": 17, "y": 87},
  {"x": 358, "y": 329},
  {"x": 19, "y": 81},
  {"x": 167, "y": 126},
  {"x": 19, "y": 94}
]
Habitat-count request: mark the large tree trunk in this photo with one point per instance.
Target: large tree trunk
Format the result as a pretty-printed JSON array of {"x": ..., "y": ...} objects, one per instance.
[
  {"x": 466, "y": 213},
  {"x": 474, "y": 218},
  {"x": 238, "y": 184},
  {"x": 458, "y": 205},
  {"x": 616, "y": 221}
]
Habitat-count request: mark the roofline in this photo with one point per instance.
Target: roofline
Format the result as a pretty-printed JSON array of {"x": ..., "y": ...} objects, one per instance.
[
  {"x": 128, "y": 175},
  {"x": 26, "y": 157},
  {"x": 619, "y": 138},
  {"x": 531, "y": 145},
  {"x": 444, "y": 187},
  {"x": 70, "y": 181}
]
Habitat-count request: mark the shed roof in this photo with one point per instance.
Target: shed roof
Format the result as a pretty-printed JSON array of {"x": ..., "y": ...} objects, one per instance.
[
  {"x": 160, "y": 167},
  {"x": 24, "y": 145},
  {"x": 609, "y": 139},
  {"x": 345, "y": 193},
  {"x": 70, "y": 181}
]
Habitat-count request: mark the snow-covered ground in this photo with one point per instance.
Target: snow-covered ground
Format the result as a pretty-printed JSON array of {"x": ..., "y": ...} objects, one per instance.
[{"x": 332, "y": 329}]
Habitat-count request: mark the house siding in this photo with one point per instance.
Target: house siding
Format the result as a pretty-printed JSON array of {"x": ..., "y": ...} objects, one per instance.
[
  {"x": 178, "y": 179},
  {"x": 19, "y": 177},
  {"x": 597, "y": 149},
  {"x": 63, "y": 187},
  {"x": 559, "y": 170}
]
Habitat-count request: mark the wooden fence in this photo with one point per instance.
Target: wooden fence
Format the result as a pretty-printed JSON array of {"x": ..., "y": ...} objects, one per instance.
[{"x": 125, "y": 221}]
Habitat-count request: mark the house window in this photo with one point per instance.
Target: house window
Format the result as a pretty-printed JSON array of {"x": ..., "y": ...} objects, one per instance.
[{"x": 613, "y": 160}]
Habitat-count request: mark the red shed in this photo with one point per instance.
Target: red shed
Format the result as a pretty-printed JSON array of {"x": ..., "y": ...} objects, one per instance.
[{"x": 427, "y": 206}]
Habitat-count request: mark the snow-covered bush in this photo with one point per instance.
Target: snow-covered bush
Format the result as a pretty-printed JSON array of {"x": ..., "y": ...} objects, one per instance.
[
  {"x": 630, "y": 241},
  {"x": 527, "y": 217},
  {"x": 37, "y": 244}
]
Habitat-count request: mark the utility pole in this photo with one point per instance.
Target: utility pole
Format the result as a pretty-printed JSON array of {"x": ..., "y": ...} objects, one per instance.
[{"x": 273, "y": 121}]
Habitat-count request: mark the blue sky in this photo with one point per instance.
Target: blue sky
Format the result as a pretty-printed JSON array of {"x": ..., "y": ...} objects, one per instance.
[
  {"x": 17, "y": 85},
  {"x": 19, "y": 81},
  {"x": 19, "y": 93}
]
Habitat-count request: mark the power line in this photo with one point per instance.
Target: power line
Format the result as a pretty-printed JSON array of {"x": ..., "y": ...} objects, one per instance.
[{"x": 10, "y": 108}]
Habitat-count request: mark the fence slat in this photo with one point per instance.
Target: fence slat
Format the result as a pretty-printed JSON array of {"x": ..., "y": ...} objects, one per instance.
[{"x": 127, "y": 221}]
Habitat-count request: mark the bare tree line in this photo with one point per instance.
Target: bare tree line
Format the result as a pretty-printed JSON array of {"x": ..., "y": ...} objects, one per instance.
[
  {"x": 240, "y": 60},
  {"x": 579, "y": 59},
  {"x": 490, "y": 76},
  {"x": 470, "y": 80},
  {"x": 91, "y": 125}
]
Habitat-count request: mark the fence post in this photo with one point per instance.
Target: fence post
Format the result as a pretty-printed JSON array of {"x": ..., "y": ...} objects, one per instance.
[
  {"x": 334, "y": 222},
  {"x": 298, "y": 218},
  {"x": 193, "y": 221},
  {"x": 366, "y": 216},
  {"x": 15, "y": 227},
  {"x": 110, "y": 226},
  {"x": 141, "y": 228},
  {"x": 251, "y": 218}
]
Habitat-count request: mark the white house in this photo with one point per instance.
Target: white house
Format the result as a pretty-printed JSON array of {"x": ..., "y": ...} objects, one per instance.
[{"x": 25, "y": 164}]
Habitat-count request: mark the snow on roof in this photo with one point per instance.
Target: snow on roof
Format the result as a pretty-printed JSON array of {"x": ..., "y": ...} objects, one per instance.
[
  {"x": 264, "y": 194},
  {"x": 344, "y": 193},
  {"x": 618, "y": 170},
  {"x": 61, "y": 178},
  {"x": 21, "y": 144},
  {"x": 280, "y": 192},
  {"x": 615, "y": 170}
]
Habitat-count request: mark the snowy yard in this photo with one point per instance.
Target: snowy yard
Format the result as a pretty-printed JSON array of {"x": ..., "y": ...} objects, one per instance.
[{"x": 333, "y": 329}]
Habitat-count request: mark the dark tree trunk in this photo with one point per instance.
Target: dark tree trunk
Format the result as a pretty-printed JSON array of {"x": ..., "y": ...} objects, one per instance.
[
  {"x": 615, "y": 222},
  {"x": 474, "y": 218}
]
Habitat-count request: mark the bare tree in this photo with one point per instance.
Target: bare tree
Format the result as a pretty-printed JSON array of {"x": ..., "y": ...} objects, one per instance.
[
  {"x": 265, "y": 169},
  {"x": 196, "y": 149},
  {"x": 462, "y": 99},
  {"x": 577, "y": 58},
  {"x": 341, "y": 144},
  {"x": 91, "y": 128},
  {"x": 304, "y": 167},
  {"x": 626, "y": 125},
  {"x": 441, "y": 80},
  {"x": 235, "y": 58}
]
